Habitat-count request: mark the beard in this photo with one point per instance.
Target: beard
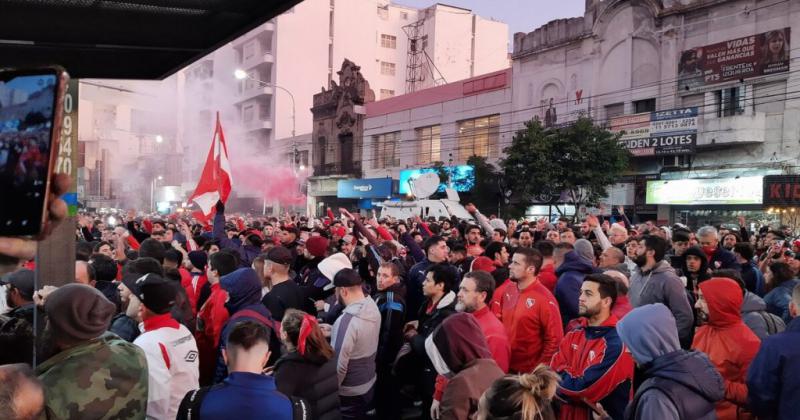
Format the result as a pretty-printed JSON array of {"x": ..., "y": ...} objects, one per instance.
[
  {"x": 463, "y": 307},
  {"x": 587, "y": 312},
  {"x": 640, "y": 260}
]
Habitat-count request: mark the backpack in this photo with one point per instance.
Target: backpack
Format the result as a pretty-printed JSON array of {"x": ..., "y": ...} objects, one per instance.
[
  {"x": 773, "y": 322},
  {"x": 193, "y": 400}
]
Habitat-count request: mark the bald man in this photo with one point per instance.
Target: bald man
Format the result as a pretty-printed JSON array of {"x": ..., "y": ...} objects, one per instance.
[
  {"x": 84, "y": 273},
  {"x": 21, "y": 393}
]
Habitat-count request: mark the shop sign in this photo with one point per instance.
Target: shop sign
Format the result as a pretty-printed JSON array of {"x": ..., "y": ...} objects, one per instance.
[
  {"x": 741, "y": 58},
  {"x": 782, "y": 190},
  {"x": 742, "y": 190},
  {"x": 364, "y": 188},
  {"x": 660, "y": 133}
]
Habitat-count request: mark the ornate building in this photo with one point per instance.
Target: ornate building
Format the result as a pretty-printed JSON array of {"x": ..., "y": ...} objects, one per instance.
[{"x": 337, "y": 136}]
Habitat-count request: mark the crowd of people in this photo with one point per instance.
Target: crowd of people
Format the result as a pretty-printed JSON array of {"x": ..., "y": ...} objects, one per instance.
[{"x": 353, "y": 316}]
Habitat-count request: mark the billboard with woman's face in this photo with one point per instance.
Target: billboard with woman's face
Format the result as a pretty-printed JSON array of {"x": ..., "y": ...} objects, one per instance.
[{"x": 741, "y": 58}]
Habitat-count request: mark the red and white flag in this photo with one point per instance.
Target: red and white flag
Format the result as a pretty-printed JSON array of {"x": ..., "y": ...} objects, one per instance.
[{"x": 216, "y": 180}]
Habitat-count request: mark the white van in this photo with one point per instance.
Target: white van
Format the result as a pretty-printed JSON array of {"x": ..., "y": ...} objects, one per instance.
[{"x": 424, "y": 209}]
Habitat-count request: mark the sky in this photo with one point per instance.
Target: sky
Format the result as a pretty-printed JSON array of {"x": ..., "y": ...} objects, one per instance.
[{"x": 520, "y": 15}]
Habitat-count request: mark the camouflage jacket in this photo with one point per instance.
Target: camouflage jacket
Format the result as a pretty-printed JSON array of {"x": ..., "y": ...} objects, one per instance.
[{"x": 105, "y": 378}]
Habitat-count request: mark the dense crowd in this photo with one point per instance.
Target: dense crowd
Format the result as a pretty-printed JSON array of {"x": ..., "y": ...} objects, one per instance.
[{"x": 353, "y": 316}]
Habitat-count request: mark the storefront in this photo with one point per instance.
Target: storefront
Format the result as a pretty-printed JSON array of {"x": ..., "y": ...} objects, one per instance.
[{"x": 712, "y": 201}]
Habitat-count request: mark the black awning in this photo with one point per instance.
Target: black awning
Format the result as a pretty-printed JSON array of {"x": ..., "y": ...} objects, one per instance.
[{"x": 115, "y": 39}]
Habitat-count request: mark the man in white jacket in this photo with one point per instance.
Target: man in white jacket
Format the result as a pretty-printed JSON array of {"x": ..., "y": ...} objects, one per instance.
[{"x": 171, "y": 350}]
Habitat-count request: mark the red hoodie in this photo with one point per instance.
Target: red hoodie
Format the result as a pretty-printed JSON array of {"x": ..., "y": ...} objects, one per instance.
[
  {"x": 728, "y": 342},
  {"x": 210, "y": 321}
]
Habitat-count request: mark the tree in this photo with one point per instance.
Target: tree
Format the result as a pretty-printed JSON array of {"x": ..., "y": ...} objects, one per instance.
[
  {"x": 580, "y": 161},
  {"x": 489, "y": 190}
]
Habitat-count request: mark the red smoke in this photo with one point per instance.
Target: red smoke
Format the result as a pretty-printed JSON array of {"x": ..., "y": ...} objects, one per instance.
[{"x": 272, "y": 182}]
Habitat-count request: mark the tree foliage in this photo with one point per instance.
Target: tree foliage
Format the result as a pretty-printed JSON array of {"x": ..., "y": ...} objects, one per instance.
[{"x": 579, "y": 161}]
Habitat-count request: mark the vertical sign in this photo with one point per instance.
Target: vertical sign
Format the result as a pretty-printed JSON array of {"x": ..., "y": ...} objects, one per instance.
[{"x": 67, "y": 162}]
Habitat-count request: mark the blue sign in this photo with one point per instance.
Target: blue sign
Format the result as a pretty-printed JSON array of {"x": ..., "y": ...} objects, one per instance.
[
  {"x": 462, "y": 177},
  {"x": 365, "y": 188}
]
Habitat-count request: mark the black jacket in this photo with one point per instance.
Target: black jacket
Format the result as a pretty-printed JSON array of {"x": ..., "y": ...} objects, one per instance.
[
  {"x": 392, "y": 305},
  {"x": 314, "y": 380},
  {"x": 287, "y": 295}
]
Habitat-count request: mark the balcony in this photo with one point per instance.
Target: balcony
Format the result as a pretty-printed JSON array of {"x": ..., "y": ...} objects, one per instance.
[
  {"x": 735, "y": 129},
  {"x": 339, "y": 168},
  {"x": 253, "y": 92},
  {"x": 257, "y": 124}
]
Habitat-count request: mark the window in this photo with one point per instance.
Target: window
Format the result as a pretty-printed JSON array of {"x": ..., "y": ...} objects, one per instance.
[
  {"x": 248, "y": 112},
  {"x": 729, "y": 102},
  {"x": 404, "y": 15},
  {"x": 388, "y": 68},
  {"x": 424, "y": 41},
  {"x": 614, "y": 110},
  {"x": 250, "y": 82},
  {"x": 385, "y": 155},
  {"x": 645, "y": 105},
  {"x": 388, "y": 41},
  {"x": 478, "y": 137},
  {"x": 249, "y": 50},
  {"x": 386, "y": 93},
  {"x": 264, "y": 110},
  {"x": 429, "y": 141}
]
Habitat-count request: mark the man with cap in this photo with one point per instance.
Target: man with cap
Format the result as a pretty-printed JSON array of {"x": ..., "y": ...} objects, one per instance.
[
  {"x": 244, "y": 304},
  {"x": 355, "y": 339},
  {"x": 170, "y": 348},
  {"x": 19, "y": 295},
  {"x": 315, "y": 251},
  {"x": 94, "y": 373},
  {"x": 285, "y": 293}
]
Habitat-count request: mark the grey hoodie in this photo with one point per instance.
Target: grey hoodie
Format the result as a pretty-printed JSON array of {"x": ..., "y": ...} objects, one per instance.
[
  {"x": 355, "y": 339},
  {"x": 754, "y": 315},
  {"x": 662, "y": 285},
  {"x": 677, "y": 384}
]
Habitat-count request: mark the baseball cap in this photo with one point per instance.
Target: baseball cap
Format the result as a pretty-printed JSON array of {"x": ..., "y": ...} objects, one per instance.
[
  {"x": 22, "y": 280},
  {"x": 280, "y": 255},
  {"x": 156, "y": 293}
]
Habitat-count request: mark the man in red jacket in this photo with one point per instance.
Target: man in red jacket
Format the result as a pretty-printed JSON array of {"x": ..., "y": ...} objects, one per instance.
[
  {"x": 213, "y": 315},
  {"x": 530, "y": 314},
  {"x": 474, "y": 295},
  {"x": 596, "y": 371}
]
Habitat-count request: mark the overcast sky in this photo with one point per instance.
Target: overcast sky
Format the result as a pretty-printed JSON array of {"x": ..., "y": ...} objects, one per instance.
[{"x": 520, "y": 15}]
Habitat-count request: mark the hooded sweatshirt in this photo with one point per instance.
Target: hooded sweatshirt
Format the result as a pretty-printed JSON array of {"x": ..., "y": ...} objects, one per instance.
[
  {"x": 244, "y": 304},
  {"x": 458, "y": 351},
  {"x": 662, "y": 285},
  {"x": 756, "y": 317},
  {"x": 677, "y": 384},
  {"x": 727, "y": 341},
  {"x": 692, "y": 280},
  {"x": 355, "y": 339},
  {"x": 568, "y": 288}
]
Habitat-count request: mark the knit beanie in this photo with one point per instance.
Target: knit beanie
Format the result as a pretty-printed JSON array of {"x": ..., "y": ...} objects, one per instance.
[
  {"x": 78, "y": 312},
  {"x": 316, "y": 246}
]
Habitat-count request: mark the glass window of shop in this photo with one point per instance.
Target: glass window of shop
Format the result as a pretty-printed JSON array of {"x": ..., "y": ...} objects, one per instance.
[{"x": 755, "y": 216}]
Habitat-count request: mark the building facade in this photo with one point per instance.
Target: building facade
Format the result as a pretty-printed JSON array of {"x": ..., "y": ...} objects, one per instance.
[{"x": 703, "y": 91}]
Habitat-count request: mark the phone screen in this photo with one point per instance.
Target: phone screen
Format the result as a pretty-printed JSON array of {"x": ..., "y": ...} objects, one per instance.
[{"x": 27, "y": 120}]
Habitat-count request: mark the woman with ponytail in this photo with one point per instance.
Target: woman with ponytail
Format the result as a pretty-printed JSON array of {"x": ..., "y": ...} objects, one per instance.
[
  {"x": 520, "y": 397},
  {"x": 308, "y": 369}
]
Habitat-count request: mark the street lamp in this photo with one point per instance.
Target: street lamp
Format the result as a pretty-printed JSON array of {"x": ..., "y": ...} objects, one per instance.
[{"x": 159, "y": 139}]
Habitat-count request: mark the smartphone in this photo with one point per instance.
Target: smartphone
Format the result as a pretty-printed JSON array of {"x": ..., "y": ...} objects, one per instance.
[{"x": 31, "y": 111}]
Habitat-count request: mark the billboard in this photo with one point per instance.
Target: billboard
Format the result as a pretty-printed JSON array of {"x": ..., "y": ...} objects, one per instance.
[
  {"x": 782, "y": 190},
  {"x": 659, "y": 133},
  {"x": 462, "y": 177},
  {"x": 741, "y": 58},
  {"x": 364, "y": 188},
  {"x": 742, "y": 190}
]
